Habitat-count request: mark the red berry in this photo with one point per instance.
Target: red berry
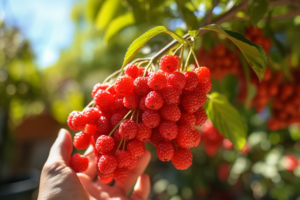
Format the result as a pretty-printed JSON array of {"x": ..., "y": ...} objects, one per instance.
[
  {"x": 203, "y": 74},
  {"x": 170, "y": 95},
  {"x": 128, "y": 129},
  {"x": 196, "y": 137},
  {"x": 97, "y": 87},
  {"x": 136, "y": 148},
  {"x": 120, "y": 175},
  {"x": 103, "y": 125},
  {"x": 192, "y": 103},
  {"x": 117, "y": 137},
  {"x": 92, "y": 114},
  {"x": 157, "y": 81},
  {"x": 132, "y": 164},
  {"x": 107, "y": 164},
  {"x": 169, "y": 63},
  {"x": 200, "y": 116},
  {"x": 191, "y": 81},
  {"x": 105, "y": 178},
  {"x": 165, "y": 151},
  {"x": 79, "y": 121},
  {"x": 105, "y": 144},
  {"x": 185, "y": 137},
  {"x": 131, "y": 101},
  {"x": 103, "y": 99},
  {"x": 124, "y": 85},
  {"x": 90, "y": 129},
  {"x": 156, "y": 137},
  {"x": 123, "y": 159},
  {"x": 143, "y": 103},
  {"x": 79, "y": 163},
  {"x": 182, "y": 159},
  {"x": 205, "y": 87},
  {"x": 168, "y": 129},
  {"x": 82, "y": 140},
  {"x": 132, "y": 70},
  {"x": 170, "y": 113},
  {"x": 69, "y": 120},
  {"x": 154, "y": 101},
  {"x": 116, "y": 118},
  {"x": 118, "y": 104},
  {"x": 151, "y": 118},
  {"x": 227, "y": 144},
  {"x": 188, "y": 119},
  {"x": 143, "y": 133},
  {"x": 177, "y": 80},
  {"x": 141, "y": 86}
]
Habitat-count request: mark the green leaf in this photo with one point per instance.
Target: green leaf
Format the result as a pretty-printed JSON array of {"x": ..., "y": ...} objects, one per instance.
[
  {"x": 138, "y": 43},
  {"x": 194, "y": 33},
  {"x": 118, "y": 24},
  {"x": 257, "y": 9},
  {"x": 226, "y": 119},
  {"x": 254, "y": 54},
  {"x": 106, "y": 13}
]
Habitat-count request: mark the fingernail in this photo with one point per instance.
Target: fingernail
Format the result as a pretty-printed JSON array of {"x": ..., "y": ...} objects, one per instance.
[{"x": 61, "y": 132}]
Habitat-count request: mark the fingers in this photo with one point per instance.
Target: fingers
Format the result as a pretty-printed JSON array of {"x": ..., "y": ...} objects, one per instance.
[
  {"x": 135, "y": 173},
  {"x": 142, "y": 188},
  {"x": 91, "y": 170},
  {"x": 62, "y": 148}
]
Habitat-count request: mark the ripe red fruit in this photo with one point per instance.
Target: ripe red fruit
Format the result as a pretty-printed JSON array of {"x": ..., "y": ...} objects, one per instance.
[
  {"x": 103, "y": 125},
  {"x": 154, "y": 101},
  {"x": 165, "y": 151},
  {"x": 157, "y": 81},
  {"x": 141, "y": 86},
  {"x": 196, "y": 137},
  {"x": 156, "y": 137},
  {"x": 143, "y": 103},
  {"x": 118, "y": 104},
  {"x": 79, "y": 163},
  {"x": 128, "y": 129},
  {"x": 105, "y": 178},
  {"x": 132, "y": 70},
  {"x": 168, "y": 129},
  {"x": 170, "y": 113},
  {"x": 192, "y": 102},
  {"x": 203, "y": 74},
  {"x": 205, "y": 87},
  {"x": 97, "y": 87},
  {"x": 131, "y": 101},
  {"x": 92, "y": 114},
  {"x": 143, "y": 133},
  {"x": 105, "y": 144},
  {"x": 107, "y": 164},
  {"x": 124, "y": 85},
  {"x": 182, "y": 159},
  {"x": 191, "y": 81},
  {"x": 79, "y": 121},
  {"x": 151, "y": 118},
  {"x": 90, "y": 129},
  {"x": 188, "y": 119},
  {"x": 132, "y": 164},
  {"x": 169, "y": 63},
  {"x": 200, "y": 116},
  {"x": 82, "y": 140},
  {"x": 123, "y": 158},
  {"x": 136, "y": 148},
  {"x": 120, "y": 175},
  {"x": 177, "y": 80},
  {"x": 116, "y": 118},
  {"x": 185, "y": 137},
  {"x": 103, "y": 99},
  {"x": 69, "y": 120},
  {"x": 170, "y": 95}
]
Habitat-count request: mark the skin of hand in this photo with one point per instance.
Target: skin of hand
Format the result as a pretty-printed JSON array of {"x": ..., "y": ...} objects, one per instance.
[{"x": 59, "y": 181}]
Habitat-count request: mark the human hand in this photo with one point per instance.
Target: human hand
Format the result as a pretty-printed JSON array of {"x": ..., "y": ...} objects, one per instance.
[{"x": 59, "y": 181}]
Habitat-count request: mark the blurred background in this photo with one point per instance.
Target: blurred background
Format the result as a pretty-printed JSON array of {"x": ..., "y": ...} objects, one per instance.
[{"x": 52, "y": 53}]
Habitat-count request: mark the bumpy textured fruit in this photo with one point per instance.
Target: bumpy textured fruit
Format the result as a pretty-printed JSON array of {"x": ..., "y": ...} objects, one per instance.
[
  {"x": 169, "y": 63},
  {"x": 69, "y": 120},
  {"x": 107, "y": 164},
  {"x": 151, "y": 118},
  {"x": 191, "y": 103},
  {"x": 143, "y": 133},
  {"x": 123, "y": 158},
  {"x": 132, "y": 70},
  {"x": 132, "y": 163},
  {"x": 131, "y": 101},
  {"x": 205, "y": 87},
  {"x": 103, "y": 125},
  {"x": 154, "y": 101},
  {"x": 165, "y": 151},
  {"x": 191, "y": 81},
  {"x": 177, "y": 80},
  {"x": 143, "y": 103},
  {"x": 128, "y": 129},
  {"x": 118, "y": 104},
  {"x": 79, "y": 163},
  {"x": 90, "y": 129},
  {"x": 92, "y": 114},
  {"x": 156, "y": 137},
  {"x": 120, "y": 175},
  {"x": 182, "y": 159},
  {"x": 79, "y": 121},
  {"x": 105, "y": 178},
  {"x": 196, "y": 137},
  {"x": 188, "y": 119},
  {"x": 200, "y": 116},
  {"x": 185, "y": 137},
  {"x": 203, "y": 74},
  {"x": 171, "y": 95},
  {"x": 157, "y": 81},
  {"x": 82, "y": 140},
  {"x": 124, "y": 85},
  {"x": 168, "y": 129},
  {"x": 141, "y": 86},
  {"x": 105, "y": 144},
  {"x": 116, "y": 118},
  {"x": 103, "y": 99},
  {"x": 170, "y": 113},
  {"x": 97, "y": 87},
  {"x": 136, "y": 148}
]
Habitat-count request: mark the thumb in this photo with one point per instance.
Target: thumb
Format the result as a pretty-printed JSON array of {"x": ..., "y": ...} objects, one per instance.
[{"x": 62, "y": 148}]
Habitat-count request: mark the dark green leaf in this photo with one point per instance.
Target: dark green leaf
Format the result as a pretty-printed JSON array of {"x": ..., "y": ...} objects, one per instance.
[
  {"x": 226, "y": 119},
  {"x": 254, "y": 54},
  {"x": 257, "y": 9}
]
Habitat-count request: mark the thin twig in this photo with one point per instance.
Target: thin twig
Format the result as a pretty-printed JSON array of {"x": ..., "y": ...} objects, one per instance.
[{"x": 209, "y": 14}]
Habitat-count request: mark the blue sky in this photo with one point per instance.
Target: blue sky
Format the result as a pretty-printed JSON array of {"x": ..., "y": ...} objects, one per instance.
[{"x": 46, "y": 23}]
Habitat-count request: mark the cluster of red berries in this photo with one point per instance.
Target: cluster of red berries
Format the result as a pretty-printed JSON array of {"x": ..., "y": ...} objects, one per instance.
[
  {"x": 212, "y": 140},
  {"x": 161, "y": 107},
  {"x": 256, "y": 35}
]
